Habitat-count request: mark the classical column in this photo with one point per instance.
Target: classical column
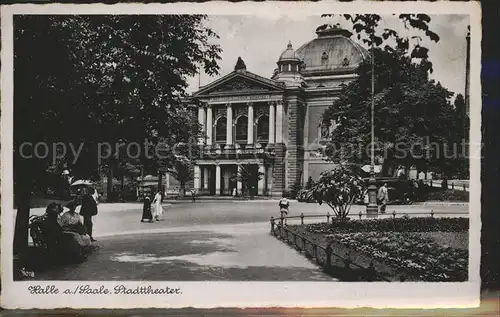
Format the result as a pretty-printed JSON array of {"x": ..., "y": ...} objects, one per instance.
[
  {"x": 209, "y": 126},
  {"x": 271, "y": 122},
  {"x": 205, "y": 177},
  {"x": 229, "y": 124},
  {"x": 239, "y": 185},
  {"x": 269, "y": 175},
  {"x": 279, "y": 122},
  {"x": 250, "y": 123},
  {"x": 197, "y": 178},
  {"x": 217, "y": 180},
  {"x": 261, "y": 184},
  {"x": 201, "y": 121}
]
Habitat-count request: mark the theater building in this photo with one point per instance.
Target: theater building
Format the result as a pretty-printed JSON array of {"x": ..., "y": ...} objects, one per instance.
[{"x": 273, "y": 125}]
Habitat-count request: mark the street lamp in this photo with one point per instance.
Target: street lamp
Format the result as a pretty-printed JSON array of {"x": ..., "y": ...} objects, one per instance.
[{"x": 372, "y": 207}]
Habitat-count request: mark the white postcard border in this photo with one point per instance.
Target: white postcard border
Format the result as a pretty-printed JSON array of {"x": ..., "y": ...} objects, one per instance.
[{"x": 246, "y": 294}]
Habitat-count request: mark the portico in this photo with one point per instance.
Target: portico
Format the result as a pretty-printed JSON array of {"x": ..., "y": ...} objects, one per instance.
[
  {"x": 220, "y": 178},
  {"x": 238, "y": 134},
  {"x": 236, "y": 122}
]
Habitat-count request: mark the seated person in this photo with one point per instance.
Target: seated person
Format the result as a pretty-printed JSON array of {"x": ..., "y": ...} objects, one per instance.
[
  {"x": 71, "y": 223},
  {"x": 52, "y": 231}
]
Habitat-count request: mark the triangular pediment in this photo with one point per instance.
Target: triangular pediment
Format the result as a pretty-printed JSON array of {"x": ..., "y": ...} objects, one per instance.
[{"x": 240, "y": 82}]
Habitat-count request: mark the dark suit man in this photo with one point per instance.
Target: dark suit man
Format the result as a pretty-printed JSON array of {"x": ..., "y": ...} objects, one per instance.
[{"x": 89, "y": 209}]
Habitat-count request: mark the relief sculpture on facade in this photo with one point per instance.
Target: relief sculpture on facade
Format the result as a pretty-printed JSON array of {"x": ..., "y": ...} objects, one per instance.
[{"x": 239, "y": 84}]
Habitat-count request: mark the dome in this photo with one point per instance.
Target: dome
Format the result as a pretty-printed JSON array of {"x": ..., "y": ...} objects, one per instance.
[
  {"x": 288, "y": 54},
  {"x": 332, "y": 52}
]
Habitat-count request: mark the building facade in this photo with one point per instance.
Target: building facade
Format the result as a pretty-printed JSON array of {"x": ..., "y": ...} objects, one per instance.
[{"x": 273, "y": 126}]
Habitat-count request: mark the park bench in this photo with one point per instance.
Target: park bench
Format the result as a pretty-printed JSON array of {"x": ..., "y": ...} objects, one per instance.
[{"x": 59, "y": 247}]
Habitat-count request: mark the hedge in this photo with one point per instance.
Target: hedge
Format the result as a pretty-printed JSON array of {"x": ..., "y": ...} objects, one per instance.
[
  {"x": 448, "y": 195},
  {"x": 427, "y": 224}
]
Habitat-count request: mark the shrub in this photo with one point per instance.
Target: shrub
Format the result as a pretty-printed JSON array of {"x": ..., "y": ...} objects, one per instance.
[
  {"x": 449, "y": 195},
  {"x": 339, "y": 188}
]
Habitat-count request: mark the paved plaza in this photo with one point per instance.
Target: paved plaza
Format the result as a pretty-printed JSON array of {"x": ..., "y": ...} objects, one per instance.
[{"x": 206, "y": 240}]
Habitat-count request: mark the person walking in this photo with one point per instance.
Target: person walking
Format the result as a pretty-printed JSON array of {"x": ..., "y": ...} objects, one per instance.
[
  {"x": 193, "y": 195},
  {"x": 284, "y": 205},
  {"x": 383, "y": 197},
  {"x": 158, "y": 209},
  {"x": 146, "y": 209},
  {"x": 88, "y": 210}
]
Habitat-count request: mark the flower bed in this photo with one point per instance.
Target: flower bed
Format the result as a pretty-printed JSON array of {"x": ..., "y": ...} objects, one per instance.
[
  {"x": 418, "y": 258},
  {"x": 427, "y": 224},
  {"x": 410, "y": 249}
]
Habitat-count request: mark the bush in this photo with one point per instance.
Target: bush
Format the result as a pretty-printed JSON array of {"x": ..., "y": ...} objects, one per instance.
[
  {"x": 427, "y": 224},
  {"x": 339, "y": 188},
  {"x": 448, "y": 195}
]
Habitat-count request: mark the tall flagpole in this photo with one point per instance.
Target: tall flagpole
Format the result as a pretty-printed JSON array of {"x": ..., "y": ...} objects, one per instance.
[{"x": 372, "y": 167}]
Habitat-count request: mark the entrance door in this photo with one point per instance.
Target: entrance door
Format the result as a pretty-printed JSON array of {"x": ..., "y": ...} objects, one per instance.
[
  {"x": 211, "y": 181},
  {"x": 228, "y": 179},
  {"x": 254, "y": 182},
  {"x": 233, "y": 183}
]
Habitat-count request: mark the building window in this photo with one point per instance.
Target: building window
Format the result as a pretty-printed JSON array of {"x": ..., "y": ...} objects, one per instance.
[
  {"x": 263, "y": 128},
  {"x": 242, "y": 129},
  {"x": 220, "y": 129}
]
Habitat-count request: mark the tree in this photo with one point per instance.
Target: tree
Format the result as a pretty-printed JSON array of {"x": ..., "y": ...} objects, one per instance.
[
  {"x": 369, "y": 31},
  {"x": 414, "y": 120},
  {"x": 410, "y": 108},
  {"x": 183, "y": 172},
  {"x": 99, "y": 83},
  {"x": 249, "y": 176},
  {"x": 338, "y": 188}
]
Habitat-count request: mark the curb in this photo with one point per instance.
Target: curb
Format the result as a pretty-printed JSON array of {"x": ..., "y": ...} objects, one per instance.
[{"x": 441, "y": 203}]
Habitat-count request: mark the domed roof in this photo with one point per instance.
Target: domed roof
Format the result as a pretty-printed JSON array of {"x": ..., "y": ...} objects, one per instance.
[
  {"x": 288, "y": 54},
  {"x": 332, "y": 52}
]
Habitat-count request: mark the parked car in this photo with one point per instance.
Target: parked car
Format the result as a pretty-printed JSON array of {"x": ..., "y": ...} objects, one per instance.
[{"x": 305, "y": 195}]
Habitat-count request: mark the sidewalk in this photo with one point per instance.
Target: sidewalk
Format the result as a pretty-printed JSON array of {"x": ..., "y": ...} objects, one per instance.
[{"x": 218, "y": 253}]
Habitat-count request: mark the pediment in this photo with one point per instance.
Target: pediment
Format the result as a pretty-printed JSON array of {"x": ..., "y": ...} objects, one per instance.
[{"x": 240, "y": 82}]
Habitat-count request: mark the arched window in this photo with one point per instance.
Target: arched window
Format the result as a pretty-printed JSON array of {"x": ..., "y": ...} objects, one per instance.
[
  {"x": 242, "y": 129},
  {"x": 220, "y": 129},
  {"x": 263, "y": 128}
]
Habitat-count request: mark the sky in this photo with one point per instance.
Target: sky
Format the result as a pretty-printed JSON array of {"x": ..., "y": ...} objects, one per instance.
[{"x": 261, "y": 40}]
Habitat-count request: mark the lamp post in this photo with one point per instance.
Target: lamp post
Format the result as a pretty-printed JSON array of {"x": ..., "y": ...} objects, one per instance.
[{"x": 372, "y": 207}]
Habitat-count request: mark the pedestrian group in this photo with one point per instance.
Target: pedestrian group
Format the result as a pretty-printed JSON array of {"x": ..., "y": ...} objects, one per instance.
[{"x": 152, "y": 210}]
